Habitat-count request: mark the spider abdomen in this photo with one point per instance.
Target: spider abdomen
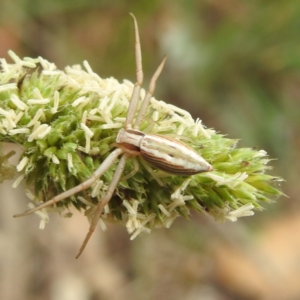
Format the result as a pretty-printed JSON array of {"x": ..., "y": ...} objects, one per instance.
[{"x": 172, "y": 156}]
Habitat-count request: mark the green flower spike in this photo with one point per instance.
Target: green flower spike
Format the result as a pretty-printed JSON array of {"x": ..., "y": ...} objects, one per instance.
[{"x": 66, "y": 123}]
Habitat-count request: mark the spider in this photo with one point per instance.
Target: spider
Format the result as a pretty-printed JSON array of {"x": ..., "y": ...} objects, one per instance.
[{"x": 164, "y": 153}]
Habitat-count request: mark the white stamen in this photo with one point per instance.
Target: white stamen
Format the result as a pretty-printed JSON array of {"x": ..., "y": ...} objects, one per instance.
[
  {"x": 103, "y": 103},
  {"x": 120, "y": 119},
  {"x": 4, "y": 112},
  {"x": 113, "y": 100},
  {"x": 17, "y": 102},
  {"x": 38, "y": 101},
  {"x": 37, "y": 93},
  {"x": 93, "y": 111},
  {"x": 169, "y": 221},
  {"x": 70, "y": 162},
  {"x": 111, "y": 126},
  {"x": 155, "y": 116},
  {"x": 243, "y": 211},
  {"x": 86, "y": 130},
  {"x": 4, "y": 65},
  {"x": 136, "y": 221},
  {"x": 198, "y": 127},
  {"x": 138, "y": 231},
  {"x": 55, "y": 102},
  {"x": 180, "y": 111},
  {"x": 131, "y": 209},
  {"x": 178, "y": 198},
  {"x": 163, "y": 210},
  {"x": 181, "y": 129},
  {"x": 44, "y": 133},
  {"x": 78, "y": 101},
  {"x": 36, "y": 125},
  {"x": 22, "y": 163},
  {"x": 43, "y": 214},
  {"x": 84, "y": 117},
  {"x": 87, "y": 143},
  {"x": 18, "y": 117},
  {"x": 178, "y": 191},
  {"x": 96, "y": 189},
  {"x": 231, "y": 181},
  {"x": 95, "y": 118},
  {"x": 39, "y": 132},
  {"x": 30, "y": 195},
  {"x": 106, "y": 210},
  {"x": 46, "y": 64},
  {"x": 55, "y": 159},
  {"x": 30, "y": 59},
  {"x": 8, "y": 87},
  {"x": 8, "y": 121},
  {"x": 18, "y": 180},
  {"x": 88, "y": 67},
  {"x": 14, "y": 56},
  {"x": 38, "y": 114}
]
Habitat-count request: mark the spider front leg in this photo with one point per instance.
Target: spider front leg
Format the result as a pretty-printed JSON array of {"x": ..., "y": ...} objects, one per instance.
[{"x": 139, "y": 78}]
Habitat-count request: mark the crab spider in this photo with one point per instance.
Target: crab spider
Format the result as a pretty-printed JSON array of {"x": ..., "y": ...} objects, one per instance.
[{"x": 162, "y": 152}]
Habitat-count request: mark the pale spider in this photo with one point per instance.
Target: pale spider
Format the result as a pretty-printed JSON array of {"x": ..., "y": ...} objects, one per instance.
[{"x": 164, "y": 153}]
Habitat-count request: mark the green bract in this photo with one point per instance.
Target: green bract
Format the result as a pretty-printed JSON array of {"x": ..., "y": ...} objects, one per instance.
[{"x": 66, "y": 123}]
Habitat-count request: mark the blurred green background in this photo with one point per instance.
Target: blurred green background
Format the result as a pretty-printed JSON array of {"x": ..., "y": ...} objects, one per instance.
[{"x": 235, "y": 65}]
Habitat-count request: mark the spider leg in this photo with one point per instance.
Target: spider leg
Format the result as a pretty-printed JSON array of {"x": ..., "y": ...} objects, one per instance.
[
  {"x": 83, "y": 186},
  {"x": 149, "y": 94},
  {"x": 104, "y": 201},
  {"x": 139, "y": 77}
]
